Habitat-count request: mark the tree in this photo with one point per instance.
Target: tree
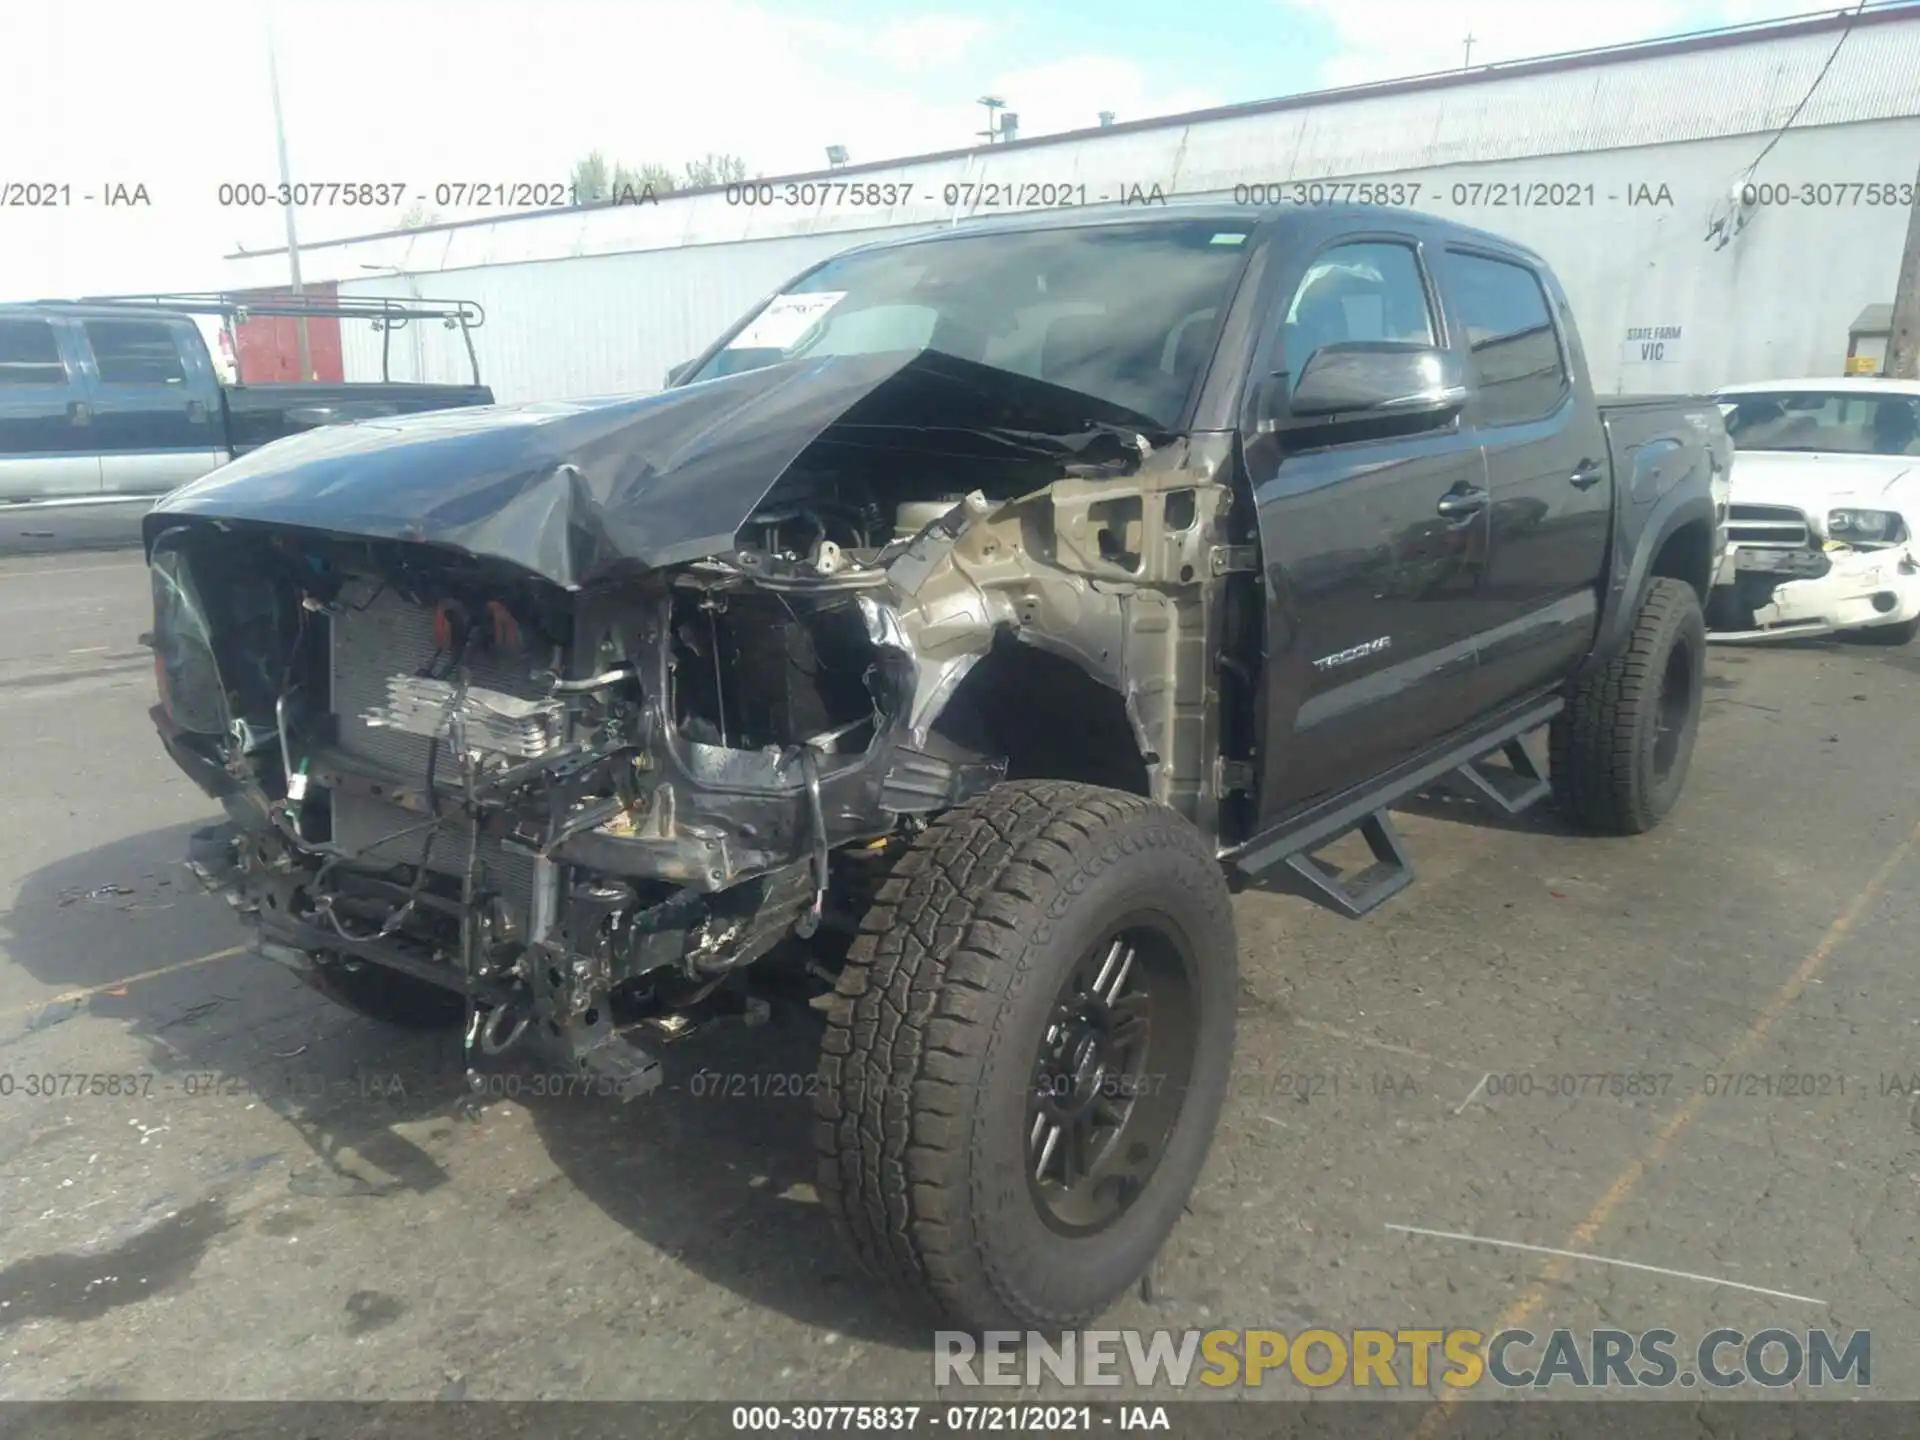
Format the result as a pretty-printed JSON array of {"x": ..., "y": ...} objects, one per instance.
[
  {"x": 589, "y": 179},
  {"x": 417, "y": 216},
  {"x": 658, "y": 176},
  {"x": 596, "y": 180},
  {"x": 715, "y": 169}
]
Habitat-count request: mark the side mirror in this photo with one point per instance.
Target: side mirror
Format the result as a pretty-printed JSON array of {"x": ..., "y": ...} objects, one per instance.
[
  {"x": 1360, "y": 380},
  {"x": 677, "y": 373}
]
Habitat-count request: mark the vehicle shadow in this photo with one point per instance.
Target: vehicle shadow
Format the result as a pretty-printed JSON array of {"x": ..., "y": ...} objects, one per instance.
[
  {"x": 1908, "y": 659},
  {"x": 714, "y": 1170},
  {"x": 1465, "y": 808},
  {"x": 125, "y": 934}
]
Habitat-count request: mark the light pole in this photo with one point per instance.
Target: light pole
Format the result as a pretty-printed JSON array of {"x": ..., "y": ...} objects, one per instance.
[
  {"x": 286, "y": 185},
  {"x": 993, "y": 104}
]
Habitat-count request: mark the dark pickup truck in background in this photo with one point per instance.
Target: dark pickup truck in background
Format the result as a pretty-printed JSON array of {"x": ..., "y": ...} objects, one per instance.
[
  {"x": 940, "y": 650},
  {"x": 122, "y": 401}
]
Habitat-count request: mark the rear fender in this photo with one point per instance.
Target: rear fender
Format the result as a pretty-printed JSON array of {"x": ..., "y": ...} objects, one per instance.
[{"x": 1680, "y": 507}]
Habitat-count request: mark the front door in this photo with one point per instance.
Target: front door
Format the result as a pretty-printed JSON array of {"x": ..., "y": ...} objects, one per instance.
[
  {"x": 47, "y": 445},
  {"x": 1373, "y": 540}
]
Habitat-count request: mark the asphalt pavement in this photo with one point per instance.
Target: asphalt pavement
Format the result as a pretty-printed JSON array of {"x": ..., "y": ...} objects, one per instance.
[{"x": 68, "y": 529}]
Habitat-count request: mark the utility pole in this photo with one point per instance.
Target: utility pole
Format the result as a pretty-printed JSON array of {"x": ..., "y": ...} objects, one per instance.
[
  {"x": 286, "y": 181},
  {"x": 1467, "y": 64},
  {"x": 1903, "y": 341}
]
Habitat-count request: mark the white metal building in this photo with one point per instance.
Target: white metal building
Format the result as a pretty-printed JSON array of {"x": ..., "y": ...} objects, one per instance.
[{"x": 1677, "y": 285}]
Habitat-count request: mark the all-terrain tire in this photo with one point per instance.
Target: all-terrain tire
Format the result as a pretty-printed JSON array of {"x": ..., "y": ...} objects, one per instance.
[
  {"x": 928, "y": 1062},
  {"x": 1619, "y": 753},
  {"x": 385, "y": 995}
]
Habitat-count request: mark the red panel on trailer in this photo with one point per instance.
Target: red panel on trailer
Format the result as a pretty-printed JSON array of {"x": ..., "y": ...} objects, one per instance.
[{"x": 270, "y": 344}]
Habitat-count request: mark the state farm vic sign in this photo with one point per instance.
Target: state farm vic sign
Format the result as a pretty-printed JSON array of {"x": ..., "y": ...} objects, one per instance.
[{"x": 1650, "y": 345}]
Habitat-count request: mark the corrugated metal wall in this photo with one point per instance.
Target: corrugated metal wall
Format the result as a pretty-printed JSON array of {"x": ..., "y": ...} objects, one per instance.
[
  {"x": 605, "y": 300},
  {"x": 1774, "y": 302}
]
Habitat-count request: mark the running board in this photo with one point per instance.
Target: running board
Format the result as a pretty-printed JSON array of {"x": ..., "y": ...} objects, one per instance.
[
  {"x": 1520, "y": 788},
  {"x": 1295, "y": 846},
  {"x": 1390, "y": 873}
]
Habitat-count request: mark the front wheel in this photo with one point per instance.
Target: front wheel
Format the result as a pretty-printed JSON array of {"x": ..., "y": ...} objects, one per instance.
[
  {"x": 1027, "y": 1054},
  {"x": 1619, "y": 752}
]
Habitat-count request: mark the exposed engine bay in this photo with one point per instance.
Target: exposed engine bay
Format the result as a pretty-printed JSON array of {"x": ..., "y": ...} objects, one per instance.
[{"x": 586, "y": 809}]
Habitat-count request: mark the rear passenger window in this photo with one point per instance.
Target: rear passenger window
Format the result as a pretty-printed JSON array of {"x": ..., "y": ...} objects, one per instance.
[
  {"x": 135, "y": 352},
  {"x": 29, "y": 355},
  {"x": 1517, "y": 366}
]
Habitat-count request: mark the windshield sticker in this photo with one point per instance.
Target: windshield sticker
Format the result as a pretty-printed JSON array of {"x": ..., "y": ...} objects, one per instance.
[{"x": 785, "y": 320}]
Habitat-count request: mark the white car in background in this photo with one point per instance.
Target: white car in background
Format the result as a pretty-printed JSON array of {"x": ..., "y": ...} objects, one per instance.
[{"x": 1825, "y": 509}]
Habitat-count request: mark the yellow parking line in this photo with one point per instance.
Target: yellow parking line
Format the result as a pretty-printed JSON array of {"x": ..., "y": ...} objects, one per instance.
[
  {"x": 70, "y": 996},
  {"x": 1624, "y": 1183}
]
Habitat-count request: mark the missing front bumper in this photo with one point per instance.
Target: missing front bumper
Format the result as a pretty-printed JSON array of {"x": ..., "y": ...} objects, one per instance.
[
  {"x": 1784, "y": 595},
  {"x": 559, "y": 1001}
]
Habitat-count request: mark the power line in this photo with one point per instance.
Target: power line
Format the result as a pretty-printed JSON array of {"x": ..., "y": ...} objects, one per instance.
[{"x": 1832, "y": 55}]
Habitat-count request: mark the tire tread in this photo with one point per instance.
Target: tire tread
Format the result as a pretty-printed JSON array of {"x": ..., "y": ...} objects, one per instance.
[
  {"x": 924, "y": 988},
  {"x": 1594, "y": 744}
]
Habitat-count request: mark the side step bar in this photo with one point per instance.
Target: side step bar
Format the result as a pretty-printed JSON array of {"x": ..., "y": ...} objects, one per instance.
[
  {"x": 1295, "y": 845},
  {"x": 1390, "y": 873},
  {"x": 1524, "y": 788}
]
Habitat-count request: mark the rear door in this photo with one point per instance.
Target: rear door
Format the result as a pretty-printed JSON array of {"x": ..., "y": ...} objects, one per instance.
[
  {"x": 1373, "y": 540},
  {"x": 47, "y": 447},
  {"x": 157, "y": 414},
  {"x": 1546, "y": 467}
]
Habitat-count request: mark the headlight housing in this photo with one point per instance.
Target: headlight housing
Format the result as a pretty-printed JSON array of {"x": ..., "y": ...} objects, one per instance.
[{"x": 1863, "y": 524}]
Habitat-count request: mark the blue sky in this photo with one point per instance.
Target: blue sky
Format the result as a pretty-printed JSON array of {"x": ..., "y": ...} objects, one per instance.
[{"x": 174, "y": 96}]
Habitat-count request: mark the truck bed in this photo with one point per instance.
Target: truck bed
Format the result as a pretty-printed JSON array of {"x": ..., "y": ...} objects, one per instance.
[
  {"x": 1648, "y": 436},
  {"x": 257, "y": 414}
]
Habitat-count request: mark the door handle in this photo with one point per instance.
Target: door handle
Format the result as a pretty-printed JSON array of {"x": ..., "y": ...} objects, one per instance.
[
  {"x": 79, "y": 412},
  {"x": 1590, "y": 474},
  {"x": 1457, "y": 503}
]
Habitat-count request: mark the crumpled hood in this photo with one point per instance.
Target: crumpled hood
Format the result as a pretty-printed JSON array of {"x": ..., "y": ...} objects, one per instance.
[
  {"x": 578, "y": 491},
  {"x": 1819, "y": 483}
]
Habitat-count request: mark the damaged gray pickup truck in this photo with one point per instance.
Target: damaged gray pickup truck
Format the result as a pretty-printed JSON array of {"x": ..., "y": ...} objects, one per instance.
[{"x": 952, "y": 638}]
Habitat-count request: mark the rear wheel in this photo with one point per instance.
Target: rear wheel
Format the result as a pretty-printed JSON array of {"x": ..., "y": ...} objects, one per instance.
[
  {"x": 1620, "y": 750},
  {"x": 1027, "y": 1054}
]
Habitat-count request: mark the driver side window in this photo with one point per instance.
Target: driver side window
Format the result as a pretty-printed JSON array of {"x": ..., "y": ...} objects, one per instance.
[{"x": 1370, "y": 290}]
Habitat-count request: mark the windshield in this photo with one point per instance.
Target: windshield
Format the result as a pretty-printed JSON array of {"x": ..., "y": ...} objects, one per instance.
[
  {"x": 1834, "y": 422},
  {"x": 1124, "y": 313}
]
